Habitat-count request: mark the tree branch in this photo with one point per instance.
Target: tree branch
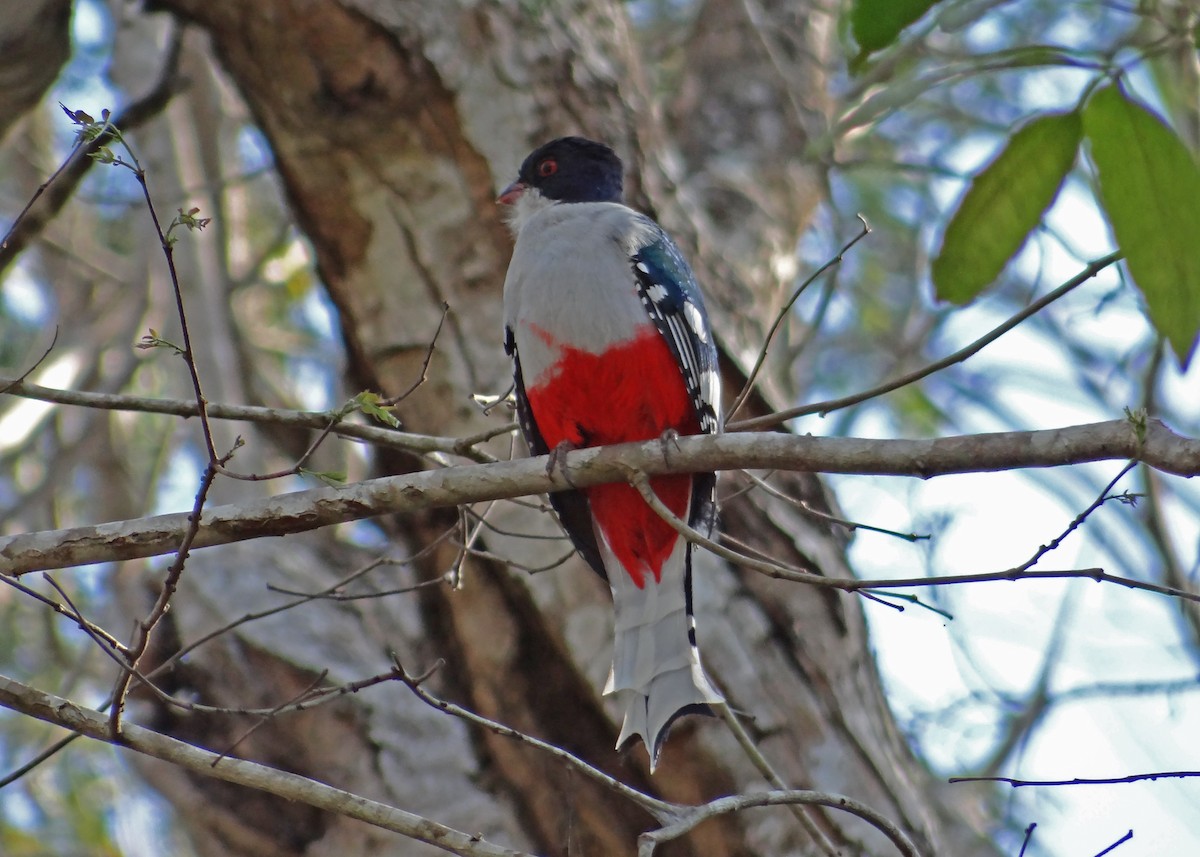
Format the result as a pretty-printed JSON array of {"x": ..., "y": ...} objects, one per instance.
[
  {"x": 1081, "y": 781},
  {"x": 92, "y": 724},
  {"x": 60, "y": 187},
  {"x": 660, "y": 810},
  {"x": 823, "y": 408},
  {"x": 736, "y": 803},
  {"x": 321, "y": 420},
  {"x": 302, "y": 511}
]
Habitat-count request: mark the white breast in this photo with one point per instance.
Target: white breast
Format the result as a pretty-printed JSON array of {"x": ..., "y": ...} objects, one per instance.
[{"x": 571, "y": 281}]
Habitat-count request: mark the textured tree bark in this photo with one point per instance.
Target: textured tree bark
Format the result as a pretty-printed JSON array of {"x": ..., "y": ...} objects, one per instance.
[
  {"x": 392, "y": 124},
  {"x": 35, "y": 42}
]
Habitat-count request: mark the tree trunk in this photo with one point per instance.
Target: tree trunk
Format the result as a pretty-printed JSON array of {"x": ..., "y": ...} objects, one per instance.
[
  {"x": 35, "y": 42},
  {"x": 392, "y": 124}
]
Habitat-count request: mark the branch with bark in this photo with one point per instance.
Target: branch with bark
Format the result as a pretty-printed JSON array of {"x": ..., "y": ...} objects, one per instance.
[
  {"x": 93, "y": 724},
  {"x": 675, "y": 820},
  {"x": 302, "y": 511}
]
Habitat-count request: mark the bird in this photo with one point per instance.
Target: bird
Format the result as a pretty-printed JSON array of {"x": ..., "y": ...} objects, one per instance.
[{"x": 611, "y": 343}]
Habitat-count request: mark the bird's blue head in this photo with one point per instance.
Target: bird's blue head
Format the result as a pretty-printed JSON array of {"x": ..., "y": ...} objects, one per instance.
[{"x": 569, "y": 169}]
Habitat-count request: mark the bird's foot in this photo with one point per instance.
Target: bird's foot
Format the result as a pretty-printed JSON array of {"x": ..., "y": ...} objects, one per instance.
[
  {"x": 665, "y": 440},
  {"x": 556, "y": 461}
]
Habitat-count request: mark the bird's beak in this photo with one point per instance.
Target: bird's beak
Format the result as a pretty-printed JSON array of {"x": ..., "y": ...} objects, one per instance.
[{"x": 512, "y": 193}]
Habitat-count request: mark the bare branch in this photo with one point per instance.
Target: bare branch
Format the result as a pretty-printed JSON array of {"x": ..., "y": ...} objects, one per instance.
[
  {"x": 959, "y": 356},
  {"x": 772, "y": 776},
  {"x": 825, "y": 516},
  {"x": 1118, "y": 689},
  {"x": 660, "y": 810},
  {"x": 1079, "y": 519},
  {"x": 1121, "y": 841},
  {"x": 1082, "y": 781},
  {"x": 647, "y": 842},
  {"x": 162, "y": 603},
  {"x": 92, "y": 724},
  {"x": 68, "y": 611},
  {"x": 783, "y": 314},
  {"x": 1028, "y": 838},
  {"x": 4, "y": 388},
  {"x": 376, "y": 435},
  {"x": 267, "y": 716},
  {"x": 423, "y": 376},
  {"x": 61, "y": 186},
  {"x": 302, "y": 511},
  {"x": 678, "y": 819},
  {"x": 641, "y": 482}
]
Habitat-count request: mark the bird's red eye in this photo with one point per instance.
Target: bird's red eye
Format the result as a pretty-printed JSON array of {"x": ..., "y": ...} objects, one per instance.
[{"x": 547, "y": 167}]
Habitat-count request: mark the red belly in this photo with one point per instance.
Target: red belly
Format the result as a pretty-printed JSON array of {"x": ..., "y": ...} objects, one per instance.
[{"x": 634, "y": 391}]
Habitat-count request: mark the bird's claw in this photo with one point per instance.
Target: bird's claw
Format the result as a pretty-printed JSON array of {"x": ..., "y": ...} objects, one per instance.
[
  {"x": 555, "y": 460},
  {"x": 670, "y": 436}
]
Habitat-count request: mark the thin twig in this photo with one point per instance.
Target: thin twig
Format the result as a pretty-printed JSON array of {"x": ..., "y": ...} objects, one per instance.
[
  {"x": 424, "y": 374},
  {"x": 295, "y": 470},
  {"x": 106, "y": 641},
  {"x": 189, "y": 354},
  {"x": 823, "y": 408},
  {"x": 1079, "y": 519},
  {"x": 383, "y": 404},
  {"x": 825, "y": 516},
  {"x": 1081, "y": 781},
  {"x": 80, "y": 143},
  {"x": 1112, "y": 689},
  {"x": 376, "y": 435},
  {"x": 303, "y": 598},
  {"x": 284, "y": 784},
  {"x": 641, "y": 482},
  {"x": 344, "y": 597},
  {"x": 660, "y": 810},
  {"x": 271, "y": 714},
  {"x": 752, "y": 751},
  {"x": 525, "y": 567},
  {"x": 145, "y": 627},
  {"x": 1028, "y": 838},
  {"x": 1121, "y": 841},
  {"x": 37, "y": 761},
  {"x": 784, "y": 312},
  {"x": 76, "y": 166},
  {"x": 647, "y": 842},
  {"x": 54, "y": 339},
  {"x": 66, "y": 611}
]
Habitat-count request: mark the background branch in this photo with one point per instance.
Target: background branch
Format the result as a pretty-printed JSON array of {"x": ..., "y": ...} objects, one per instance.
[
  {"x": 959, "y": 356},
  {"x": 92, "y": 724},
  {"x": 374, "y": 434}
]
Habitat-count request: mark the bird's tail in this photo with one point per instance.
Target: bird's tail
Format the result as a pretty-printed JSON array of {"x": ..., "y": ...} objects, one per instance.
[{"x": 656, "y": 669}]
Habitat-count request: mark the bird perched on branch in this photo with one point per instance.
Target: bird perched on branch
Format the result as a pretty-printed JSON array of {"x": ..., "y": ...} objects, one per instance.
[{"x": 611, "y": 343}]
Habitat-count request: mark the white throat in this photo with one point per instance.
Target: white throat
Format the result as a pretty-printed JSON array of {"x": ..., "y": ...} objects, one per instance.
[{"x": 527, "y": 205}]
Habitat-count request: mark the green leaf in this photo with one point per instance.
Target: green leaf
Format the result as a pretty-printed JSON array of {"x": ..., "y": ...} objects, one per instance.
[
  {"x": 1003, "y": 204},
  {"x": 298, "y": 283},
  {"x": 1150, "y": 190},
  {"x": 332, "y": 478},
  {"x": 877, "y": 23},
  {"x": 368, "y": 403}
]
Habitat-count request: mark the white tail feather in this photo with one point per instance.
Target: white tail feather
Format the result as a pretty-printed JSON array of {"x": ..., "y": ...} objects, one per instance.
[{"x": 656, "y": 671}]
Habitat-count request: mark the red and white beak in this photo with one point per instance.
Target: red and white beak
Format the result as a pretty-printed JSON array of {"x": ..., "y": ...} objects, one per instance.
[{"x": 512, "y": 193}]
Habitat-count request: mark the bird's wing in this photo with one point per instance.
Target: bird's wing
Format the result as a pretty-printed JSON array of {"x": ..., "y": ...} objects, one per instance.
[
  {"x": 673, "y": 301},
  {"x": 574, "y": 513}
]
